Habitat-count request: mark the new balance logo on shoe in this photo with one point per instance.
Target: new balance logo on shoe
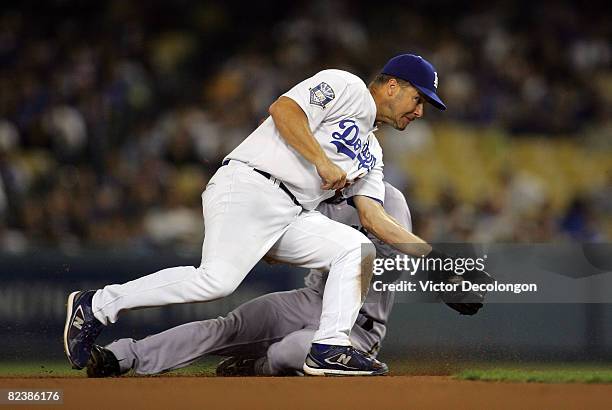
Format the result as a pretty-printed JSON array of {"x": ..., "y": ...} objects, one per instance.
[
  {"x": 343, "y": 359},
  {"x": 331, "y": 360},
  {"x": 340, "y": 360},
  {"x": 78, "y": 318}
]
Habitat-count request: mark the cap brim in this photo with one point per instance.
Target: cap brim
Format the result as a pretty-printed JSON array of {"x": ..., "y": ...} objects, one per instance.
[{"x": 432, "y": 97}]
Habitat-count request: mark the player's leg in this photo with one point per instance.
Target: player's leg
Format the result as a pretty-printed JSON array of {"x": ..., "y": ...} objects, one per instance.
[
  {"x": 247, "y": 331},
  {"x": 244, "y": 215},
  {"x": 286, "y": 355},
  {"x": 317, "y": 242}
]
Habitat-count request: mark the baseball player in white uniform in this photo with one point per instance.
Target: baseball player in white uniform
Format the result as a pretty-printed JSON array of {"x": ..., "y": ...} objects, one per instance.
[
  {"x": 261, "y": 202},
  {"x": 269, "y": 335},
  {"x": 277, "y": 328}
]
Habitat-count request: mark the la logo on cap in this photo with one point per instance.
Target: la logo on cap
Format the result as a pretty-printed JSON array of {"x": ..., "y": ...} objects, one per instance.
[{"x": 436, "y": 79}]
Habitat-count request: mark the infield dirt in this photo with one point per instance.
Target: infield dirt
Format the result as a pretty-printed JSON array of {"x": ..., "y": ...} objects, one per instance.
[{"x": 392, "y": 392}]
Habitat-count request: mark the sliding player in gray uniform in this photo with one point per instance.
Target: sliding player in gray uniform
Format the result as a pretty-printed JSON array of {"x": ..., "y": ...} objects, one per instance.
[{"x": 270, "y": 335}]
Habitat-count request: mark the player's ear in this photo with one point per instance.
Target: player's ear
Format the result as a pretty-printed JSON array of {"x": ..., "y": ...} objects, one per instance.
[{"x": 392, "y": 87}]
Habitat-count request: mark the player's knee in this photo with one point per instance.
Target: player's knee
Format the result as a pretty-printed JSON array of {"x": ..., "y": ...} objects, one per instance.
[
  {"x": 368, "y": 252},
  {"x": 227, "y": 288},
  {"x": 289, "y": 353},
  {"x": 361, "y": 257},
  {"x": 366, "y": 268},
  {"x": 217, "y": 284},
  {"x": 222, "y": 292},
  {"x": 361, "y": 251},
  {"x": 278, "y": 359}
]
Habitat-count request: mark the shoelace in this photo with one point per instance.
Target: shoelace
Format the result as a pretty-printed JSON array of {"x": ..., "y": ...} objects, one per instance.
[
  {"x": 90, "y": 331},
  {"x": 362, "y": 354}
]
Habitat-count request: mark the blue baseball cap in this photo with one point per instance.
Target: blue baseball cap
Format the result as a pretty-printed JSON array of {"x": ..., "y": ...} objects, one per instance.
[{"x": 418, "y": 72}]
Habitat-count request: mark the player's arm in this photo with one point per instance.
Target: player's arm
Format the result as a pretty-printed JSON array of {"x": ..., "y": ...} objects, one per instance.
[
  {"x": 292, "y": 124},
  {"x": 379, "y": 223}
]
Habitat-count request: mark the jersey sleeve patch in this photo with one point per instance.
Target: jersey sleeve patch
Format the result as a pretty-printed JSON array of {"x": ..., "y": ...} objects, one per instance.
[{"x": 321, "y": 95}]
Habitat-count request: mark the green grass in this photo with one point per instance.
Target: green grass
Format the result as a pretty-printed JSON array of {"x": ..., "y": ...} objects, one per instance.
[
  {"x": 540, "y": 374},
  {"x": 206, "y": 368},
  {"x": 62, "y": 369},
  {"x": 494, "y": 371},
  {"x": 37, "y": 369},
  {"x": 423, "y": 367}
]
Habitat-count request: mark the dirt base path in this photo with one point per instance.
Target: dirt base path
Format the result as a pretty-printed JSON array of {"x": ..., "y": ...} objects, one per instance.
[{"x": 393, "y": 392}]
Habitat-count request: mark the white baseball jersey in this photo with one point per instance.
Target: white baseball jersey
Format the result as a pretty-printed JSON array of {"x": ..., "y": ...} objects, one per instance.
[{"x": 341, "y": 114}]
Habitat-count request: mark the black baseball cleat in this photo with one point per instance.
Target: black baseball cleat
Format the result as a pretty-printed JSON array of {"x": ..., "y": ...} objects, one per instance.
[
  {"x": 81, "y": 329},
  {"x": 236, "y": 366},
  {"x": 102, "y": 363},
  {"x": 331, "y": 360}
]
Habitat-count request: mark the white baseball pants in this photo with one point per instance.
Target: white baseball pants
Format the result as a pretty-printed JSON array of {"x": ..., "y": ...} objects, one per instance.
[{"x": 247, "y": 216}]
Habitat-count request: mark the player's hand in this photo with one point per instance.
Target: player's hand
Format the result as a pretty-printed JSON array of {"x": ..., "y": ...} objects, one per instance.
[
  {"x": 466, "y": 302},
  {"x": 468, "y": 309},
  {"x": 332, "y": 175}
]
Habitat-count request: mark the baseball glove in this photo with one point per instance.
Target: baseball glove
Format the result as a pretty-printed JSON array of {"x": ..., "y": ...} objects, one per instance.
[{"x": 466, "y": 302}]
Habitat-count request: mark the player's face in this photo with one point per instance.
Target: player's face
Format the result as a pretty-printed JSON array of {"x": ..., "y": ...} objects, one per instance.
[{"x": 406, "y": 106}]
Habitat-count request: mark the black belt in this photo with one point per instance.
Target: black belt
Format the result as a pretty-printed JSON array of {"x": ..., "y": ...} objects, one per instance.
[{"x": 269, "y": 176}]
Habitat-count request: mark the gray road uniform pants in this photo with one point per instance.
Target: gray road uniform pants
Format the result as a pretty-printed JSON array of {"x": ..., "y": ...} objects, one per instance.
[{"x": 279, "y": 325}]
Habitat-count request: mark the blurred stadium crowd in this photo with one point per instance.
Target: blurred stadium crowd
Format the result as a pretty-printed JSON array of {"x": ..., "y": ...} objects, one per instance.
[{"x": 114, "y": 115}]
